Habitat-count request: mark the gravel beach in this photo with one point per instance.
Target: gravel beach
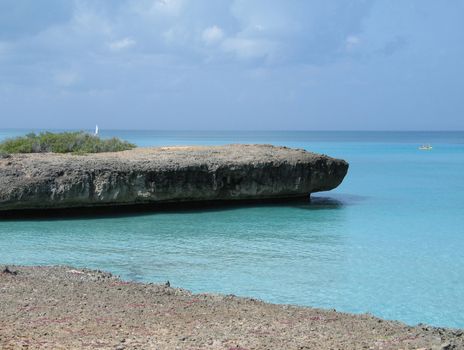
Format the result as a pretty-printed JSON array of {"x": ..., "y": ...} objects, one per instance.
[{"x": 68, "y": 308}]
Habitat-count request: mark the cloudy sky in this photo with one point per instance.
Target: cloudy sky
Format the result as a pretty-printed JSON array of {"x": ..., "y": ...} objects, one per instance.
[{"x": 232, "y": 64}]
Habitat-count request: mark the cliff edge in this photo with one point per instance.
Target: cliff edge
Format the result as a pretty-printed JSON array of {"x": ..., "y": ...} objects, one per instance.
[{"x": 163, "y": 175}]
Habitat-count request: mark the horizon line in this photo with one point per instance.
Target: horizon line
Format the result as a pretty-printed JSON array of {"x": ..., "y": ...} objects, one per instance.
[{"x": 227, "y": 130}]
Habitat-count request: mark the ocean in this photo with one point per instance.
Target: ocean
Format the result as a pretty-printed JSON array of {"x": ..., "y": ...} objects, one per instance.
[{"x": 389, "y": 241}]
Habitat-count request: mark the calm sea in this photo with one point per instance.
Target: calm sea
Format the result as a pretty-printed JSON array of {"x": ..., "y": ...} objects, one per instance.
[{"x": 388, "y": 241}]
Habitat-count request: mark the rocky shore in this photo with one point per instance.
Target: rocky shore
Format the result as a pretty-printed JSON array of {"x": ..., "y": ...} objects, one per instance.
[
  {"x": 68, "y": 308},
  {"x": 164, "y": 175}
]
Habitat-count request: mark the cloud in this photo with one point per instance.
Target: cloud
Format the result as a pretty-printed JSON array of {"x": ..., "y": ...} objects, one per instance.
[
  {"x": 310, "y": 32},
  {"x": 212, "y": 35},
  {"x": 122, "y": 44},
  {"x": 166, "y": 7},
  {"x": 351, "y": 42},
  {"x": 205, "y": 53},
  {"x": 172, "y": 38},
  {"x": 279, "y": 32},
  {"x": 88, "y": 20}
]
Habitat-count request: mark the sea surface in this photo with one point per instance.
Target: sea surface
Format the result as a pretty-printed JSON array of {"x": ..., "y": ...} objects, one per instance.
[{"x": 389, "y": 241}]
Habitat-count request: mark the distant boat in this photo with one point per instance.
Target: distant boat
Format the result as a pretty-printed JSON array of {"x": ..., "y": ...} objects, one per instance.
[
  {"x": 96, "y": 130},
  {"x": 425, "y": 147}
]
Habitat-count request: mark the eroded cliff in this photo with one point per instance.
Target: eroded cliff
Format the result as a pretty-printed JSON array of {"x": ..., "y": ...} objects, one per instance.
[{"x": 164, "y": 174}]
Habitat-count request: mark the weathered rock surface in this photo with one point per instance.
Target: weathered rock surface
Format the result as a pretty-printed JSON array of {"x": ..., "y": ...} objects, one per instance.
[
  {"x": 164, "y": 174},
  {"x": 70, "y": 308}
]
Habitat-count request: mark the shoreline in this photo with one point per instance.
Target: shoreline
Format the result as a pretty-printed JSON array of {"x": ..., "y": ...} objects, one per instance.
[{"x": 65, "y": 307}]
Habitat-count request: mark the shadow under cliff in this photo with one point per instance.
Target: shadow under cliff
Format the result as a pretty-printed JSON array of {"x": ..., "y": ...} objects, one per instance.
[{"x": 304, "y": 203}]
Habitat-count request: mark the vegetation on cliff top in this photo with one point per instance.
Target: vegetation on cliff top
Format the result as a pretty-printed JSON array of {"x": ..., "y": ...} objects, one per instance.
[{"x": 78, "y": 142}]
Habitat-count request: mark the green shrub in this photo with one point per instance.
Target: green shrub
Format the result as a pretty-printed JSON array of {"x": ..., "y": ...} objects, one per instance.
[
  {"x": 4, "y": 155},
  {"x": 66, "y": 142}
]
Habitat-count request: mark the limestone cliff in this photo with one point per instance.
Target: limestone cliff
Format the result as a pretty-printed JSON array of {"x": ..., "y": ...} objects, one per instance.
[{"x": 164, "y": 174}]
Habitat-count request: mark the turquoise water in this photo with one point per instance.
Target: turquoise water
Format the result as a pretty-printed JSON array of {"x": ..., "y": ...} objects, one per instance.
[{"x": 389, "y": 240}]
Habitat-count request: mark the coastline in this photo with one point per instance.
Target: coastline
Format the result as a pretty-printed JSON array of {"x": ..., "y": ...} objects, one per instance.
[{"x": 64, "y": 307}]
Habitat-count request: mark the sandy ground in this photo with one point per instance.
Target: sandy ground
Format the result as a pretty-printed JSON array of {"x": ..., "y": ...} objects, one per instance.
[{"x": 67, "y": 308}]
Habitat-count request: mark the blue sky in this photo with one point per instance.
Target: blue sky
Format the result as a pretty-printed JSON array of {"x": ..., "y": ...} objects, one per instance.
[{"x": 232, "y": 64}]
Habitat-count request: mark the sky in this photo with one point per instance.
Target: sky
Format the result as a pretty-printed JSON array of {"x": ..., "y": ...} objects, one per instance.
[{"x": 232, "y": 64}]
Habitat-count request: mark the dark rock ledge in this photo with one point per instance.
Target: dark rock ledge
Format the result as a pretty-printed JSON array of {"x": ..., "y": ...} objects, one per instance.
[{"x": 164, "y": 175}]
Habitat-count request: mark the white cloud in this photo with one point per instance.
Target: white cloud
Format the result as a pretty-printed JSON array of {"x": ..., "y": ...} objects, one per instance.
[
  {"x": 167, "y": 7},
  {"x": 86, "y": 19},
  {"x": 351, "y": 42},
  {"x": 212, "y": 35},
  {"x": 122, "y": 44}
]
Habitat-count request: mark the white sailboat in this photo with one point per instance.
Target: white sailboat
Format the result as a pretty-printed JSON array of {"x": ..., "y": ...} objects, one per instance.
[{"x": 96, "y": 130}]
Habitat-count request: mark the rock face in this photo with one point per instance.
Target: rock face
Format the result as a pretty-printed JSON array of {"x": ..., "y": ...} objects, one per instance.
[{"x": 165, "y": 174}]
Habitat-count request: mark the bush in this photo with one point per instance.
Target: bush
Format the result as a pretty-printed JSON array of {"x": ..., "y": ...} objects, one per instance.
[
  {"x": 4, "y": 155},
  {"x": 66, "y": 142}
]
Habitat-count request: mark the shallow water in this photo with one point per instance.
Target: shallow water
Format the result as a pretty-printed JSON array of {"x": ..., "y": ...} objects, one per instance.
[{"x": 389, "y": 240}]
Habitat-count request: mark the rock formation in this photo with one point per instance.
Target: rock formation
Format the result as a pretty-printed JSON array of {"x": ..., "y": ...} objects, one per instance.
[{"x": 164, "y": 174}]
